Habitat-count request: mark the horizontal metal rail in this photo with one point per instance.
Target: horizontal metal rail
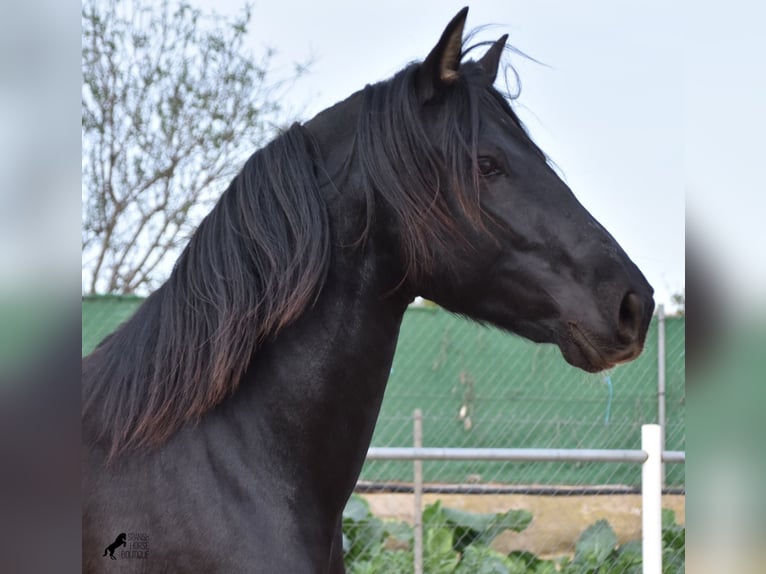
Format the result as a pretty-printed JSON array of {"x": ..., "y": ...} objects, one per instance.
[
  {"x": 518, "y": 454},
  {"x": 674, "y": 456},
  {"x": 366, "y": 487}
]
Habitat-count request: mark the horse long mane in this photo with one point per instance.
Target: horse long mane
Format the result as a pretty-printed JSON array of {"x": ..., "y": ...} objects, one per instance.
[
  {"x": 253, "y": 265},
  {"x": 260, "y": 258}
]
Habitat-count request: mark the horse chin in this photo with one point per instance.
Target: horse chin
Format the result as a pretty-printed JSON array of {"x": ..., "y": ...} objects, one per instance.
[
  {"x": 577, "y": 357},
  {"x": 581, "y": 351}
]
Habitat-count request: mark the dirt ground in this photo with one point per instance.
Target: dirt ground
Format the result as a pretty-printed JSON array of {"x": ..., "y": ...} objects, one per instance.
[{"x": 557, "y": 520}]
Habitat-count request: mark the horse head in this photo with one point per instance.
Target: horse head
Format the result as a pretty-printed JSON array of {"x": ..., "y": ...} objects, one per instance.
[
  {"x": 482, "y": 224},
  {"x": 527, "y": 256}
]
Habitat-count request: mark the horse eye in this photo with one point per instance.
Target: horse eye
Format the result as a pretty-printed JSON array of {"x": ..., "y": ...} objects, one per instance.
[{"x": 488, "y": 167}]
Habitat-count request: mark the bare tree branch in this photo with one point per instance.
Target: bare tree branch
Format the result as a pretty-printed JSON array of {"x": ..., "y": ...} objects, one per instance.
[{"x": 171, "y": 106}]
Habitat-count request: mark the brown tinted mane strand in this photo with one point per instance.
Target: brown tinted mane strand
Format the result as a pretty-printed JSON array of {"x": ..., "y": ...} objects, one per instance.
[{"x": 253, "y": 266}]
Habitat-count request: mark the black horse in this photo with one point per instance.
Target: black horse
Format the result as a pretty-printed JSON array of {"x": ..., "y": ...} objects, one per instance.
[{"x": 230, "y": 416}]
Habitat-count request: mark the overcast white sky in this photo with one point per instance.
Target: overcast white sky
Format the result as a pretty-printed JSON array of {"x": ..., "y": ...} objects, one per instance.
[{"x": 607, "y": 108}]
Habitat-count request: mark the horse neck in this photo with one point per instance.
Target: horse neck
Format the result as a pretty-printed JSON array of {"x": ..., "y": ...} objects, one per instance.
[
  {"x": 310, "y": 399},
  {"x": 314, "y": 393}
]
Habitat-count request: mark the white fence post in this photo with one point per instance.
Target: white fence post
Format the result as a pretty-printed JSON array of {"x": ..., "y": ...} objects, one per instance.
[
  {"x": 417, "y": 466},
  {"x": 651, "y": 499}
]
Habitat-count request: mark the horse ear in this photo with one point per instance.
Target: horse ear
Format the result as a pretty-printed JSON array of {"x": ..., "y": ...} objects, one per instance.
[
  {"x": 440, "y": 68},
  {"x": 491, "y": 60}
]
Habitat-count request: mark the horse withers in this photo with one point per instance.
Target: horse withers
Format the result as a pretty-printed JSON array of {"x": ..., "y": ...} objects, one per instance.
[{"x": 225, "y": 424}]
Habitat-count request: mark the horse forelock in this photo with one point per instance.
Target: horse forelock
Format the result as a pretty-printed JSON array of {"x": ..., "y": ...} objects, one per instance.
[{"x": 253, "y": 266}]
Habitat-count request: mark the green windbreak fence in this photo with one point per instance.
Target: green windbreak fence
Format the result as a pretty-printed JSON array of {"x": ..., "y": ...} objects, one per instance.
[
  {"x": 480, "y": 387},
  {"x": 103, "y": 314}
]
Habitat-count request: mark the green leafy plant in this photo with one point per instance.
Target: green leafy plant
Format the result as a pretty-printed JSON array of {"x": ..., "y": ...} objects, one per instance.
[
  {"x": 365, "y": 537},
  {"x": 597, "y": 551},
  {"x": 673, "y": 544},
  {"x": 596, "y": 544},
  {"x": 454, "y": 541},
  {"x": 439, "y": 557},
  {"x": 458, "y": 542}
]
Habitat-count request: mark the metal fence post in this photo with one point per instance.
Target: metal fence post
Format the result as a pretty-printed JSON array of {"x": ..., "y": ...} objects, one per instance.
[
  {"x": 651, "y": 499},
  {"x": 417, "y": 466},
  {"x": 661, "y": 350}
]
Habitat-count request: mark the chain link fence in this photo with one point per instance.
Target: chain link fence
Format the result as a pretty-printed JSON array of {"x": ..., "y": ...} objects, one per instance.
[{"x": 478, "y": 387}]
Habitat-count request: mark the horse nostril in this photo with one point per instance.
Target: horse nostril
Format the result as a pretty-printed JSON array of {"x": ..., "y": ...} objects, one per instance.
[{"x": 629, "y": 322}]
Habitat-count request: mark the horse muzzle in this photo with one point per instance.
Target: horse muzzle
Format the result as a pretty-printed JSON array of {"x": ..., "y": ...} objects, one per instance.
[{"x": 597, "y": 345}]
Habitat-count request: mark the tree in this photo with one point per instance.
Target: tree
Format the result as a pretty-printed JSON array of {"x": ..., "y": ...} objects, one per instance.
[
  {"x": 679, "y": 301},
  {"x": 171, "y": 106}
]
